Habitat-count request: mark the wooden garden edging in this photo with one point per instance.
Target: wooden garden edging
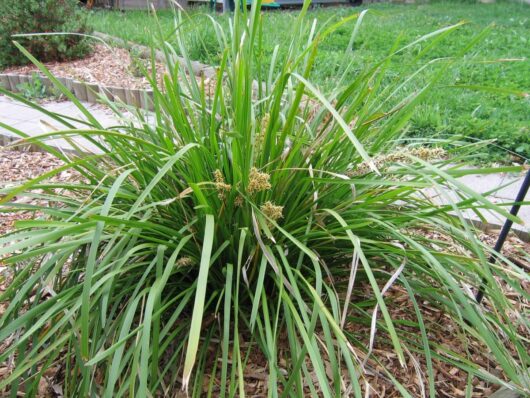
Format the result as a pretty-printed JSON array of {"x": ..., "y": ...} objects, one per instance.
[
  {"x": 88, "y": 92},
  {"x": 494, "y": 228},
  {"x": 198, "y": 68},
  {"x": 85, "y": 92}
]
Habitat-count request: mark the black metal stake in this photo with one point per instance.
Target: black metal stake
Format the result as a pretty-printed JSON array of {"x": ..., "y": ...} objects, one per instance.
[{"x": 506, "y": 229}]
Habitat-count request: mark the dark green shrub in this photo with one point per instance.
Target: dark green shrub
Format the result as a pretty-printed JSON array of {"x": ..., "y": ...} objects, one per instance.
[{"x": 41, "y": 16}]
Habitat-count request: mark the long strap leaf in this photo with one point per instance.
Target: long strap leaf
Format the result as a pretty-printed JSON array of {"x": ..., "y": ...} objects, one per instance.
[{"x": 198, "y": 306}]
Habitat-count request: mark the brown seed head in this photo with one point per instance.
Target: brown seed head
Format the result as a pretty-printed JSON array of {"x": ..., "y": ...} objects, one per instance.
[
  {"x": 272, "y": 211},
  {"x": 401, "y": 155},
  {"x": 258, "y": 181},
  {"x": 222, "y": 187},
  {"x": 184, "y": 262},
  {"x": 238, "y": 201}
]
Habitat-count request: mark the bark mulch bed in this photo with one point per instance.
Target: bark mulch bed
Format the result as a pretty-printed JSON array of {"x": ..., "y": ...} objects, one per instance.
[
  {"x": 450, "y": 381},
  {"x": 107, "y": 66},
  {"x": 17, "y": 167}
]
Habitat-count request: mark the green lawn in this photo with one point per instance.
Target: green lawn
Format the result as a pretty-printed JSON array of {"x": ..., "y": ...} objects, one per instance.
[{"x": 499, "y": 60}]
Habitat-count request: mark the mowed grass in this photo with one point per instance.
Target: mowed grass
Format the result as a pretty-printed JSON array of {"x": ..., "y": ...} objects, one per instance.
[{"x": 500, "y": 59}]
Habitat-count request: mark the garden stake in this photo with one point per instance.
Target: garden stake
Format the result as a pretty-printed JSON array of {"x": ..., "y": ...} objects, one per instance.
[{"x": 506, "y": 229}]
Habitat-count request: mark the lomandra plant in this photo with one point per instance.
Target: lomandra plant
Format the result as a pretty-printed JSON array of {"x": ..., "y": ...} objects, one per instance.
[{"x": 248, "y": 225}]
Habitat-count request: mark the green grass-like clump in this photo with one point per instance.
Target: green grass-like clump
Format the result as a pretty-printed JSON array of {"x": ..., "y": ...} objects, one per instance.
[{"x": 256, "y": 222}]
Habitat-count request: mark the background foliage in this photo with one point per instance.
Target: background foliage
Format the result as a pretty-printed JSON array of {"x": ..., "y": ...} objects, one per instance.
[
  {"x": 500, "y": 60},
  {"x": 42, "y": 16}
]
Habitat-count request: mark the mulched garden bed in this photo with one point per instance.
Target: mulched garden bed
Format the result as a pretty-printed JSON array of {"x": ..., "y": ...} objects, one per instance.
[
  {"x": 16, "y": 167},
  {"x": 107, "y": 66}
]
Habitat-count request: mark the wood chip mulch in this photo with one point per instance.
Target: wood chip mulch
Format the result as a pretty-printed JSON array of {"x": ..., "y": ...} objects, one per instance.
[
  {"x": 17, "y": 167},
  {"x": 107, "y": 66},
  {"x": 22, "y": 166},
  {"x": 450, "y": 381}
]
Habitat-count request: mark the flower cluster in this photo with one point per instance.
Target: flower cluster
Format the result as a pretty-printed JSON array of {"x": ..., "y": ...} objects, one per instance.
[
  {"x": 238, "y": 201},
  {"x": 272, "y": 211},
  {"x": 260, "y": 135},
  {"x": 222, "y": 187},
  {"x": 258, "y": 181},
  {"x": 185, "y": 262},
  {"x": 402, "y": 155}
]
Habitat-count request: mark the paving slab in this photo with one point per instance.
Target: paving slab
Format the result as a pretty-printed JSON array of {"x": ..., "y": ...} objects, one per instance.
[
  {"x": 482, "y": 184},
  {"x": 511, "y": 191},
  {"x": 32, "y": 122},
  {"x": 11, "y": 111}
]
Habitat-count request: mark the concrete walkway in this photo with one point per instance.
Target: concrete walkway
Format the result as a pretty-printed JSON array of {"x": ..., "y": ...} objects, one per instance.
[
  {"x": 511, "y": 183},
  {"x": 29, "y": 121},
  {"x": 33, "y": 122}
]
